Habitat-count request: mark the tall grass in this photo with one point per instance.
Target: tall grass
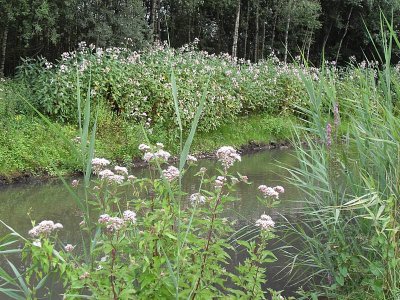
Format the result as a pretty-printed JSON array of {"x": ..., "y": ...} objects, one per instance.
[{"x": 350, "y": 214}]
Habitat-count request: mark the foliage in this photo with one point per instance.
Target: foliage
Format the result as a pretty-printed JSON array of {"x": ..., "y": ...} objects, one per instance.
[
  {"x": 136, "y": 86},
  {"x": 150, "y": 240},
  {"x": 350, "y": 229}
]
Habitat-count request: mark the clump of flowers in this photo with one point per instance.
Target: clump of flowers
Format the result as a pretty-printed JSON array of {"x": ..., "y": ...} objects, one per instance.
[
  {"x": 265, "y": 222},
  {"x": 44, "y": 228},
  {"x": 144, "y": 147},
  {"x": 98, "y": 164},
  {"x": 129, "y": 216},
  {"x": 69, "y": 248},
  {"x": 111, "y": 177},
  {"x": 227, "y": 155},
  {"x": 191, "y": 159},
  {"x": 219, "y": 182},
  {"x": 171, "y": 173},
  {"x": 271, "y": 191},
  {"x": 116, "y": 223},
  {"x": 121, "y": 170},
  {"x": 197, "y": 198},
  {"x": 154, "y": 153}
]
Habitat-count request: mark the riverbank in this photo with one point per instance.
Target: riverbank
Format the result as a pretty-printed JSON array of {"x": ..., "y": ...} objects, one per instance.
[{"x": 29, "y": 150}]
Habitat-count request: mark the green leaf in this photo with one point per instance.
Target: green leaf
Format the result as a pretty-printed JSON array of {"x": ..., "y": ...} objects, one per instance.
[{"x": 20, "y": 280}]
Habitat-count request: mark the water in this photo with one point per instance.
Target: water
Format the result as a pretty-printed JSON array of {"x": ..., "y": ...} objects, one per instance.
[{"x": 20, "y": 203}]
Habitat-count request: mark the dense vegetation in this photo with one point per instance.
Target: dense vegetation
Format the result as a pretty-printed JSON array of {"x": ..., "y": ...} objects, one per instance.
[
  {"x": 245, "y": 102},
  {"x": 350, "y": 230},
  {"x": 248, "y": 29},
  {"x": 152, "y": 240}
]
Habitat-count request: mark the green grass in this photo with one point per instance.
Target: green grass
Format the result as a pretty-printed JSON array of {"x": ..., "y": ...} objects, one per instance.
[{"x": 29, "y": 148}]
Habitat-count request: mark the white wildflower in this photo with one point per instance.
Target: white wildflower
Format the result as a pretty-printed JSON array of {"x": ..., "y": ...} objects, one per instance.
[
  {"x": 191, "y": 159},
  {"x": 105, "y": 174},
  {"x": 103, "y": 219},
  {"x": 171, "y": 173},
  {"x": 129, "y": 216},
  {"x": 148, "y": 156},
  {"x": 227, "y": 155},
  {"x": 98, "y": 164},
  {"x": 69, "y": 248},
  {"x": 44, "y": 228},
  {"x": 37, "y": 243},
  {"x": 265, "y": 222},
  {"x": 144, "y": 147},
  {"x": 197, "y": 198},
  {"x": 219, "y": 182},
  {"x": 268, "y": 191},
  {"x": 121, "y": 170},
  {"x": 279, "y": 189},
  {"x": 115, "y": 224},
  {"x": 163, "y": 155}
]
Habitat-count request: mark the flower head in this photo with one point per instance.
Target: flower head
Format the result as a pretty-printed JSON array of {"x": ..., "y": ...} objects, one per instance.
[
  {"x": 197, "y": 198},
  {"x": 268, "y": 191},
  {"x": 171, "y": 173},
  {"x": 144, "y": 147},
  {"x": 129, "y": 216},
  {"x": 265, "y": 222},
  {"x": 121, "y": 170},
  {"x": 227, "y": 155},
  {"x": 75, "y": 183},
  {"x": 69, "y": 248},
  {"x": 219, "y": 182},
  {"x": 191, "y": 159},
  {"x": 44, "y": 228},
  {"x": 99, "y": 164}
]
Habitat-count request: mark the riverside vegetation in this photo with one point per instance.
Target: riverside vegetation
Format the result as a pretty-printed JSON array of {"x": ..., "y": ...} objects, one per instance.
[
  {"x": 246, "y": 103},
  {"x": 349, "y": 234}
]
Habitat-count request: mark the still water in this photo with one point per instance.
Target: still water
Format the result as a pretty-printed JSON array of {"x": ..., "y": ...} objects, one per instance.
[{"x": 20, "y": 203}]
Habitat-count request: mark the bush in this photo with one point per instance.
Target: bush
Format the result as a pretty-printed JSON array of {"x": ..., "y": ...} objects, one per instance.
[{"x": 137, "y": 86}]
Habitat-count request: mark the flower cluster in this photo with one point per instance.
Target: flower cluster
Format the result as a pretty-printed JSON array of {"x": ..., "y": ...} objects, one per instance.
[
  {"x": 219, "y": 182},
  {"x": 271, "y": 191},
  {"x": 111, "y": 177},
  {"x": 171, "y": 173},
  {"x": 265, "y": 222},
  {"x": 129, "y": 216},
  {"x": 115, "y": 223},
  {"x": 191, "y": 159},
  {"x": 98, "y": 164},
  {"x": 227, "y": 155},
  {"x": 155, "y": 153},
  {"x": 121, "y": 170},
  {"x": 197, "y": 198},
  {"x": 44, "y": 228},
  {"x": 69, "y": 248}
]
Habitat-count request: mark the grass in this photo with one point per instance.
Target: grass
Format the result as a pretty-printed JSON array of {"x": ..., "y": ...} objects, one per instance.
[{"x": 28, "y": 148}]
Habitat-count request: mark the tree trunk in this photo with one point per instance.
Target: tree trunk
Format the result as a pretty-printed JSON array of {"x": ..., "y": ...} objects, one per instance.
[
  {"x": 326, "y": 37},
  {"x": 263, "y": 40},
  {"x": 153, "y": 19},
  {"x": 273, "y": 32},
  {"x": 3, "y": 50},
  {"x": 158, "y": 20},
  {"x": 257, "y": 31},
  {"x": 344, "y": 34},
  {"x": 236, "y": 34},
  {"x": 246, "y": 30},
  {"x": 287, "y": 30}
]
